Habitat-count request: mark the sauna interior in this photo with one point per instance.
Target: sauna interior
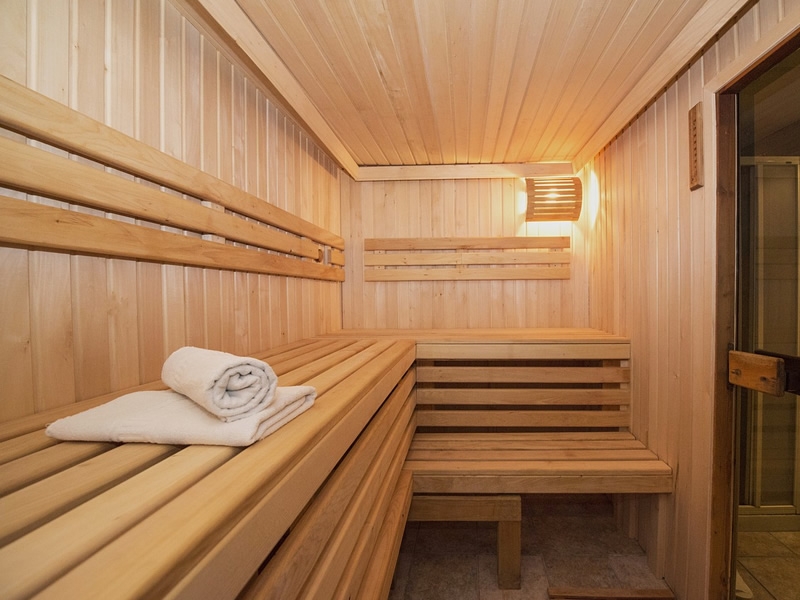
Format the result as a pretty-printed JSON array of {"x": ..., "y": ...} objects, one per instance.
[{"x": 361, "y": 131}]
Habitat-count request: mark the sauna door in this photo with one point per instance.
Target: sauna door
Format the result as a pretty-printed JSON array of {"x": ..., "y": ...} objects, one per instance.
[
  {"x": 767, "y": 526},
  {"x": 769, "y": 424}
]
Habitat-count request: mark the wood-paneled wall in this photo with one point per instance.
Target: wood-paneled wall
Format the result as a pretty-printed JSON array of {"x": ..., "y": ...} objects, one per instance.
[
  {"x": 454, "y": 208},
  {"x": 75, "y": 326},
  {"x": 652, "y": 276}
]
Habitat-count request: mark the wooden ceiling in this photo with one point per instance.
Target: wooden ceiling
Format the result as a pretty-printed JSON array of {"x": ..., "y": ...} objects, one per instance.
[{"x": 467, "y": 82}]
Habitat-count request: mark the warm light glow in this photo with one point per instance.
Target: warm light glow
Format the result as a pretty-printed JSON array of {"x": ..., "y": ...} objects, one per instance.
[
  {"x": 554, "y": 199},
  {"x": 593, "y": 198}
]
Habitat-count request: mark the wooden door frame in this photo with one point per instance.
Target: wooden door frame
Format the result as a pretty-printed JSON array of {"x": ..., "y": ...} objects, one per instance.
[{"x": 723, "y": 476}]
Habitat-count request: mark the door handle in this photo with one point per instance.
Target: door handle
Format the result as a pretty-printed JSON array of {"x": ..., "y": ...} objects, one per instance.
[
  {"x": 791, "y": 366},
  {"x": 757, "y": 372}
]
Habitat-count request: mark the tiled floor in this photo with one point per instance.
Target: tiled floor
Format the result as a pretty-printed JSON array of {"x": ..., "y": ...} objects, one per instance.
[
  {"x": 770, "y": 564},
  {"x": 570, "y": 541}
]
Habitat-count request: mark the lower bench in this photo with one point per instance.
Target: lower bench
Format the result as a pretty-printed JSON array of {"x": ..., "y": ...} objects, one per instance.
[
  {"x": 518, "y": 417},
  {"x": 87, "y": 520}
]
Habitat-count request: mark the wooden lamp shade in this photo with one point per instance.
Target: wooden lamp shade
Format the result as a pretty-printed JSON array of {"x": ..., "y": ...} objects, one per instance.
[{"x": 554, "y": 199}]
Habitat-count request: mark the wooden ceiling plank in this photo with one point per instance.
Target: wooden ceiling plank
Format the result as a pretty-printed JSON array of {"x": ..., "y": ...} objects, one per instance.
[
  {"x": 432, "y": 25},
  {"x": 510, "y": 20},
  {"x": 578, "y": 52},
  {"x": 407, "y": 40},
  {"x": 381, "y": 35},
  {"x": 313, "y": 73},
  {"x": 646, "y": 44},
  {"x": 336, "y": 28},
  {"x": 483, "y": 33},
  {"x": 460, "y": 42},
  {"x": 533, "y": 48},
  {"x": 707, "y": 21},
  {"x": 623, "y": 50},
  {"x": 233, "y": 21}
]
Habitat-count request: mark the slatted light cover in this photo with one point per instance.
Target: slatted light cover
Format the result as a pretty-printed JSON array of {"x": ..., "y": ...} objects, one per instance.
[{"x": 554, "y": 199}]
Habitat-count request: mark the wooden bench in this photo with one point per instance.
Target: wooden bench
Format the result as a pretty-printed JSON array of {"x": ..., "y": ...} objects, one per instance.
[
  {"x": 507, "y": 412},
  {"x": 85, "y": 520}
]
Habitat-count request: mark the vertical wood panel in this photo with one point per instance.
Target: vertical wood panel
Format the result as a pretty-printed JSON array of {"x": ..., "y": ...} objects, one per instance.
[
  {"x": 453, "y": 208},
  {"x": 15, "y": 350},
  {"x": 92, "y": 325},
  {"x": 657, "y": 286}
]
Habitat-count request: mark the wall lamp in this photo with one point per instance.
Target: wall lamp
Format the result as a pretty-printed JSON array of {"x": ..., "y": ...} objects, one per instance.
[{"x": 554, "y": 199}]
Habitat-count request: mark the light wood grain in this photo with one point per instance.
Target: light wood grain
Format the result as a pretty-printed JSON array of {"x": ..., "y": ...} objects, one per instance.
[
  {"x": 94, "y": 79},
  {"x": 380, "y": 571},
  {"x": 42, "y": 501},
  {"x": 29, "y": 224},
  {"x": 78, "y": 184},
  {"x": 286, "y": 572},
  {"x": 36, "y": 116}
]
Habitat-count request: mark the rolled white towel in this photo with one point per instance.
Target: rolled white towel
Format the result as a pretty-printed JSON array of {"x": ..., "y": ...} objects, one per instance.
[
  {"x": 228, "y": 386},
  {"x": 167, "y": 417}
]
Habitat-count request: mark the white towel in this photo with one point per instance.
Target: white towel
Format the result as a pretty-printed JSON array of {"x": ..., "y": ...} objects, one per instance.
[
  {"x": 167, "y": 417},
  {"x": 231, "y": 387}
]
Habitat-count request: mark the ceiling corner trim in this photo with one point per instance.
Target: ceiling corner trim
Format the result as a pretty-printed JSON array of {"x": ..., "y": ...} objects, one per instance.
[
  {"x": 238, "y": 26},
  {"x": 464, "y": 171},
  {"x": 705, "y": 24}
]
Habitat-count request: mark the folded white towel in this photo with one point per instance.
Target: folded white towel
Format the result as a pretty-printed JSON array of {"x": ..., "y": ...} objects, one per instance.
[
  {"x": 167, "y": 417},
  {"x": 228, "y": 386}
]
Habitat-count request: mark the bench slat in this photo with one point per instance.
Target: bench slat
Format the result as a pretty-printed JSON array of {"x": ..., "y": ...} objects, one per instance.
[
  {"x": 523, "y": 437},
  {"x": 286, "y": 571},
  {"x": 495, "y": 444},
  {"x": 567, "y": 454},
  {"x": 24, "y": 445},
  {"x": 82, "y": 531},
  {"x": 359, "y": 557},
  {"x": 27, "y": 508},
  {"x": 575, "y": 483},
  {"x": 542, "y": 467},
  {"x": 520, "y": 351},
  {"x": 465, "y": 508},
  {"x": 527, "y": 397},
  {"x": 189, "y": 525},
  {"x": 33, "y": 467},
  {"x": 378, "y": 580},
  {"x": 491, "y": 374},
  {"x": 522, "y": 418},
  {"x": 338, "y": 418}
]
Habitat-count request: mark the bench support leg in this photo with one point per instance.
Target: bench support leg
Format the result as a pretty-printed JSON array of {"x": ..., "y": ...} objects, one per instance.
[
  {"x": 509, "y": 554},
  {"x": 506, "y": 509}
]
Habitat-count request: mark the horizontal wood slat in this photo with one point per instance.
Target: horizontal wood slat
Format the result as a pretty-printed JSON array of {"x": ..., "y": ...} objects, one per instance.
[
  {"x": 549, "y": 258},
  {"x": 522, "y": 418},
  {"x": 466, "y": 258},
  {"x": 58, "y": 493},
  {"x": 578, "y": 593},
  {"x": 467, "y": 243},
  {"x": 467, "y": 274},
  {"x": 569, "y": 454},
  {"x": 526, "y": 442},
  {"x": 465, "y": 508},
  {"x": 492, "y": 374},
  {"x": 487, "y": 350},
  {"x": 77, "y": 183},
  {"x": 32, "y": 114},
  {"x": 527, "y": 397},
  {"x": 531, "y": 481},
  {"x": 544, "y": 467},
  {"x": 32, "y": 225}
]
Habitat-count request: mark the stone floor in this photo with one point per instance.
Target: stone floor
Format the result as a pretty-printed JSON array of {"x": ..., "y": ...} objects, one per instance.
[
  {"x": 570, "y": 541},
  {"x": 770, "y": 564}
]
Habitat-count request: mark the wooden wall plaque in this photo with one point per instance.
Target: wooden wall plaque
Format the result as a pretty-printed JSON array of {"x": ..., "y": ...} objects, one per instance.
[{"x": 696, "y": 146}]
